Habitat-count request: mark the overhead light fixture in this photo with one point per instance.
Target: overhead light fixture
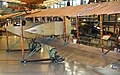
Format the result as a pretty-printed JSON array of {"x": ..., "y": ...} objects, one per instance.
[
  {"x": 50, "y": 2},
  {"x": 15, "y": 1},
  {"x": 18, "y": 1},
  {"x": 119, "y": 19},
  {"x": 4, "y": 3},
  {"x": 23, "y": 3}
]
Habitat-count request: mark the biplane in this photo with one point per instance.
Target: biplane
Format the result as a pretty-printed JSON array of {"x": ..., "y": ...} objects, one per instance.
[
  {"x": 52, "y": 29},
  {"x": 42, "y": 31}
]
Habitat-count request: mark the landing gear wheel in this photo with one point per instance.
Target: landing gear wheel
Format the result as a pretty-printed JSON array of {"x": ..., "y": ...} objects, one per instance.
[
  {"x": 59, "y": 59},
  {"x": 55, "y": 57},
  {"x": 34, "y": 45},
  {"x": 24, "y": 61}
]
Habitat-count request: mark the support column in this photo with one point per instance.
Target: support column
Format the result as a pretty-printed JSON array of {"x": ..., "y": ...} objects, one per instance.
[
  {"x": 117, "y": 33},
  {"x": 101, "y": 32},
  {"x": 46, "y": 19},
  {"x": 52, "y": 18},
  {"x": 108, "y": 20},
  {"x": 64, "y": 30},
  {"x": 77, "y": 30},
  {"x": 22, "y": 39},
  {"x": 33, "y": 19},
  {"x": 68, "y": 2},
  {"x": 40, "y": 19},
  {"x": 7, "y": 42}
]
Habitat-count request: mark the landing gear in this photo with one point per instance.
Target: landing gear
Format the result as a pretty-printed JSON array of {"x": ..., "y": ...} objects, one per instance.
[
  {"x": 35, "y": 47},
  {"x": 55, "y": 57}
]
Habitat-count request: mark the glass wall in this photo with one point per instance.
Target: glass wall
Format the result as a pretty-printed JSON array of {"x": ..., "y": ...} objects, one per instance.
[{"x": 72, "y": 3}]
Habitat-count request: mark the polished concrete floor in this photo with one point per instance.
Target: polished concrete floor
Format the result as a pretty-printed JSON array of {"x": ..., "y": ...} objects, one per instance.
[
  {"x": 10, "y": 64},
  {"x": 15, "y": 67}
]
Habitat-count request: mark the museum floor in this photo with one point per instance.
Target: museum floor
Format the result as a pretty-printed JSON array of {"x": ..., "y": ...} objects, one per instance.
[{"x": 82, "y": 65}]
